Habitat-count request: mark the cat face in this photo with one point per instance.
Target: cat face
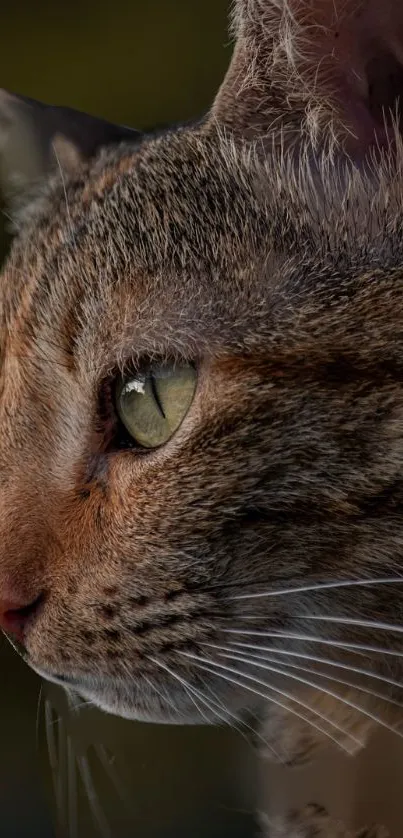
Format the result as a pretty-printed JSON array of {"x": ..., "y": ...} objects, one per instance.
[
  {"x": 242, "y": 312},
  {"x": 146, "y": 532}
]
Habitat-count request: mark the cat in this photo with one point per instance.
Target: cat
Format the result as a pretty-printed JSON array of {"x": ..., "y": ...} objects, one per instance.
[{"x": 201, "y": 408}]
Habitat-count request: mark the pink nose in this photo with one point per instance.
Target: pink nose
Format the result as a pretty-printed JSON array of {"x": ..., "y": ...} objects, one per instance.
[{"x": 15, "y": 617}]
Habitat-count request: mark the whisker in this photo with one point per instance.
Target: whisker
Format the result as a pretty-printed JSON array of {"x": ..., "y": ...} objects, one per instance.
[
  {"x": 352, "y": 621},
  {"x": 195, "y": 698},
  {"x": 78, "y": 705},
  {"x": 53, "y": 756},
  {"x": 190, "y": 691},
  {"x": 93, "y": 799},
  {"x": 226, "y": 714},
  {"x": 62, "y": 755},
  {"x": 338, "y": 644},
  {"x": 276, "y": 701},
  {"x": 236, "y": 721},
  {"x": 350, "y": 751},
  {"x": 322, "y": 586},
  {"x": 324, "y": 690},
  {"x": 75, "y": 702},
  {"x": 217, "y": 702},
  {"x": 37, "y": 718},
  {"x": 314, "y": 658},
  {"x": 72, "y": 791},
  {"x": 107, "y": 764},
  {"x": 164, "y": 698},
  {"x": 253, "y": 661},
  {"x": 64, "y": 189},
  {"x": 7, "y": 215}
]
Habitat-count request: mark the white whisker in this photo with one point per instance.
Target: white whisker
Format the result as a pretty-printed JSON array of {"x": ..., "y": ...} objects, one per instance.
[
  {"x": 226, "y": 714},
  {"x": 352, "y": 621},
  {"x": 53, "y": 755},
  {"x": 321, "y": 587},
  {"x": 37, "y": 718},
  {"x": 307, "y": 682},
  {"x": 189, "y": 689},
  {"x": 75, "y": 708},
  {"x": 72, "y": 790},
  {"x": 325, "y": 641},
  {"x": 164, "y": 698},
  {"x": 255, "y": 660},
  {"x": 195, "y": 699},
  {"x": 75, "y": 702},
  {"x": 93, "y": 798},
  {"x": 64, "y": 188},
  {"x": 201, "y": 662},
  {"x": 314, "y": 658},
  {"x": 107, "y": 764},
  {"x": 244, "y": 724}
]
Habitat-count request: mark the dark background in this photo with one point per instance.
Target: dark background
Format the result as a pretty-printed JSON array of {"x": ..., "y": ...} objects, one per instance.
[{"x": 142, "y": 63}]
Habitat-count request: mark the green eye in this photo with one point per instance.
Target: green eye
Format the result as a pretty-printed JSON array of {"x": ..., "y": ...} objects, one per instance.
[{"x": 153, "y": 404}]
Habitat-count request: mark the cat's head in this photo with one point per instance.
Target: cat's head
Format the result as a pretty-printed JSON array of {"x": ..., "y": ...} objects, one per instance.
[{"x": 200, "y": 384}]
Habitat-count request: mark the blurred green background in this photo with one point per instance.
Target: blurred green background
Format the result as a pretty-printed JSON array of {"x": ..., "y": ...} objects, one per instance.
[
  {"x": 140, "y": 61},
  {"x": 143, "y": 63}
]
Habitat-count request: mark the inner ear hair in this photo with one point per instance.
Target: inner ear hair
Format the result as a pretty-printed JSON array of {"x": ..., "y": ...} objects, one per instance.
[
  {"x": 331, "y": 70},
  {"x": 67, "y": 155}
]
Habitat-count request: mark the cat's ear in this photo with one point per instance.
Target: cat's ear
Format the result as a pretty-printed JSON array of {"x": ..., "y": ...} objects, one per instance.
[
  {"x": 307, "y": 65},
  {"x": 35, "y": 139}
]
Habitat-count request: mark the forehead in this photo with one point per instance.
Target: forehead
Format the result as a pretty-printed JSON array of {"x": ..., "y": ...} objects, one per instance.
[
  {"x": 185, "y": 245},
  {"x": 151, "y": 245}
]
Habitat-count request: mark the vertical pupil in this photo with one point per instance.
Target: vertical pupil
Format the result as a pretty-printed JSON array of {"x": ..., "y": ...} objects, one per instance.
[{"x": 156, "y": 395}]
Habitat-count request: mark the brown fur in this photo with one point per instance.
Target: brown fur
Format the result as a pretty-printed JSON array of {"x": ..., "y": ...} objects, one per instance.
[
  {"x": 281, "y": 277},
  {"x": 314, "y": 822}
]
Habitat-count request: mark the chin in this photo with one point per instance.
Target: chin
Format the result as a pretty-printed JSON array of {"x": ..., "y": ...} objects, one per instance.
[
  {"x": 141, "y": 710},
  {"x": 137, "y": 703}
]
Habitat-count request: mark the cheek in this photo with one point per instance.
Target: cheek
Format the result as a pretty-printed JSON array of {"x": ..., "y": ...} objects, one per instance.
[
  {"x": 110, "y": 542},
  {"x": 146, "y": 528}
]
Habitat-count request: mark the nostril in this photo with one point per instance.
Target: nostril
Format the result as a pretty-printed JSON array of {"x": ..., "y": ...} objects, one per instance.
[{"x": 14, "y": 618}]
